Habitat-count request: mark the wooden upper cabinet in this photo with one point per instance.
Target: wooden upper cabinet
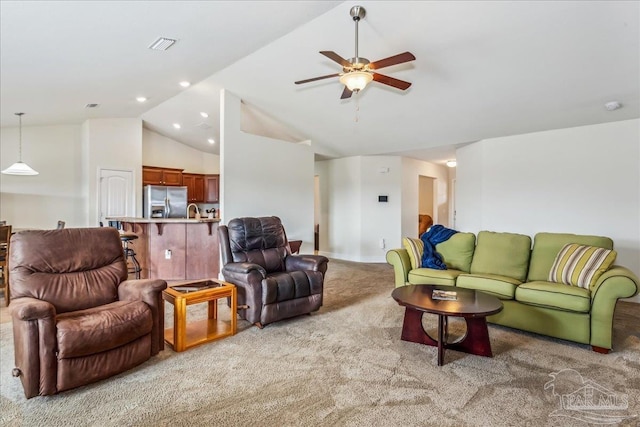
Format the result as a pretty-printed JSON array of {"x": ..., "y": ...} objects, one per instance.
[
  {"x": 211, "y": 188},
  {"x": 152, "y": 175},
  {"x": 195, "y": 186},
  {"x": 198, "y": 188}
]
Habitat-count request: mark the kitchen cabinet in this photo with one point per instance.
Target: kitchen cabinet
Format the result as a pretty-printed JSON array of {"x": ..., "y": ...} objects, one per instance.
[
  {"x": 195, "y": 187},
  {"x": 211, "y": 188},
  {"x": 152, "y": 175}
]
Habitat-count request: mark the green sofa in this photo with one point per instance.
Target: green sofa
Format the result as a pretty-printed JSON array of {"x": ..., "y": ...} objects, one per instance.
[{"x": 505, "y": 265}]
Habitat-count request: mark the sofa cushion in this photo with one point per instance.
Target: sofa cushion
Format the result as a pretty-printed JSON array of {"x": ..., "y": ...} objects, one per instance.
[
  {"x": 547, "y": 245},
  {"x": 457, "y": 251},
  {"x": 580, "y": 265},
  {"x": 503, "y": 254},
  {"x": 431, "y": 276},
  {"x": 94, "y": 330},
  {"x": 554, "y": 295},
  {"x": 415, "y": 248},
  {"x": 502, "y": 287}
]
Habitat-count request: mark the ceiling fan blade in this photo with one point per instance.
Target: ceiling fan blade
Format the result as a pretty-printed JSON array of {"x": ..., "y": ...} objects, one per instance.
[
  {"x": 317, "y": 78},
  {"x": 346, "y": 93},
  {"x": 400, "y": 84},
  {"x": 392, "y": 60},
  {"x": 337, "y": 58}
]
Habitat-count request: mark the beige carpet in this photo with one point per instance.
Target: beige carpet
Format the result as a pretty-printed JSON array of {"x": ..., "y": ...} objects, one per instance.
[{"x": 346, "y": 366}]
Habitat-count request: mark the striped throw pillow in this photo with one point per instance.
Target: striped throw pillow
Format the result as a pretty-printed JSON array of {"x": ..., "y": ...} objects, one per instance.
[
  {"x": 579, "y": 265},
  {"x": 415, "y": 247}
]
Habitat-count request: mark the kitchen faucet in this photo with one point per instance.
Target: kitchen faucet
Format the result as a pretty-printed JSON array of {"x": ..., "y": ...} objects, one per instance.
[{"x": 197, "y": 210}]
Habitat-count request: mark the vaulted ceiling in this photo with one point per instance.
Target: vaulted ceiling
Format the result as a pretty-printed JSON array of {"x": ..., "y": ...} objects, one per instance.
[{"x": 482, "y": 69}]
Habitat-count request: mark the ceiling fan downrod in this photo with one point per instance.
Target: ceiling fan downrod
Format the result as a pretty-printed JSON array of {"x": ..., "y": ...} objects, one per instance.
[{"x": 357, "y": 13}]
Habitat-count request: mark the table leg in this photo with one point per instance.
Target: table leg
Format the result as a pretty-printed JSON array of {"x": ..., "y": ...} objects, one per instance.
[
  {"x": 412, "y": 329},
  {"x": 180, "y": 324},
  {"x": 442, "y": 336},
  {"x": 213, "y": 309},
  {"x": 476, "y": 341}
]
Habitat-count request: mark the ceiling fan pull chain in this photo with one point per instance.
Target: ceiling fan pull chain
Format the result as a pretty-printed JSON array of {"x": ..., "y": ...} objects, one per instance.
[{"x": 357, "y": 107}]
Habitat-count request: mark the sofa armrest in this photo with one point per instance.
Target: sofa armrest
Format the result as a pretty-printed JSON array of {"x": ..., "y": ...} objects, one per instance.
[
  {"x": 306, "y": 262},
  {"x": 617, "y": 282},
  {"x": 399, "y": 258},
  {"x": 34, "y": 342},
  {"x": 148, "y": 291}
]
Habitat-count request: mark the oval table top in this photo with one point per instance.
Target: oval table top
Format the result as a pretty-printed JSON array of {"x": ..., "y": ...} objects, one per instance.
[{"x": 468, "y": 302}]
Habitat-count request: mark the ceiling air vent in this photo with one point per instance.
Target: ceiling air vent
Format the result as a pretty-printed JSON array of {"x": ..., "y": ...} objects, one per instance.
[
  {"x": 91, "y": 105},
  {"x": 162, "y": 43}
]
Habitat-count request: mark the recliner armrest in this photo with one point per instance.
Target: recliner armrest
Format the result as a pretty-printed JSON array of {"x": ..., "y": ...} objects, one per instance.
[
  {"x": 244, "y": 268},
  {"x": 148, "y": 291},
  {"x": 27, "y": 308},
  {"x": 131, "y": 290},
  {"x": 306, "y": 262}
]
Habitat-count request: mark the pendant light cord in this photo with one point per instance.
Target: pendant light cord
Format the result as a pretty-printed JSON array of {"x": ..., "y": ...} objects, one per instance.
[{"x": 20, "y": 136}]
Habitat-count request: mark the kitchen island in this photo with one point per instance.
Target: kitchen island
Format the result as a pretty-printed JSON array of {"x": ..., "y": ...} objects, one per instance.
[{"x": 174, "y": 248}]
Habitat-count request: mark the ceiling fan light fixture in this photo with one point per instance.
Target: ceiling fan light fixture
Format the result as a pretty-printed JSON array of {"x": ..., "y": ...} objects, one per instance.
[{"x": 355, "y": 81}]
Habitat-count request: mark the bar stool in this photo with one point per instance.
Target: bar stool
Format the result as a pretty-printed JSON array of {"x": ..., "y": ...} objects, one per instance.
[{"x": 129, "y": 253}]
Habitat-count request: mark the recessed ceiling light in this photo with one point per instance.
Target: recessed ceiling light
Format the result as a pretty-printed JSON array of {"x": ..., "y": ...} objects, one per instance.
[
  {"x": 141, "y": 99},
  {"x": 162, "y": 43},
  {"x": 451, "y": 163},
  {"x": 203, "y": 114},
  {"x": 211, "y": 141},
  {"x": 185, "y": 84},
  {"x": 177, "y": 125},
  {"x": 613, "y": 105}
]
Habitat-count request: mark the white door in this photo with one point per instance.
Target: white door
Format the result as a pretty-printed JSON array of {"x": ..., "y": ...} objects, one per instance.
[{"x": 116, "y": 194}]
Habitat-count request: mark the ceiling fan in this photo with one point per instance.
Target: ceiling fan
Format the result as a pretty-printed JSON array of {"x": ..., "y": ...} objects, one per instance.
[{"x": 357, "y": 72}]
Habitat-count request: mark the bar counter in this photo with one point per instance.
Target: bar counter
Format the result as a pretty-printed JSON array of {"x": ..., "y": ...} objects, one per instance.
[{"x": 174, "y": 248}]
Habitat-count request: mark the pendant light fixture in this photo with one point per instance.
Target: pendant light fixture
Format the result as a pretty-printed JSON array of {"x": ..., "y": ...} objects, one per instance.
[{"x": 19, "y": 168}]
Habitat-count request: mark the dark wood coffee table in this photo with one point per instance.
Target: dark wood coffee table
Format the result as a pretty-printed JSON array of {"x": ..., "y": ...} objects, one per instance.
[{"x": 473, "y": 306}]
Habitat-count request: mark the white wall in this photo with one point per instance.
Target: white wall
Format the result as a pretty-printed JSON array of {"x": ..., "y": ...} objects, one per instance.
[
  {"x": 263, "y": 177},
  {"x": 353, "y": 222},
  {"x": 379, "y": 176},
  {"x": 57, "y": 192},
  {"x": 411, "y": 171},
  {"x": 158, "y": 150},
  {"x": 111, "y": 144},
  {"x": 583, "y": 180}
]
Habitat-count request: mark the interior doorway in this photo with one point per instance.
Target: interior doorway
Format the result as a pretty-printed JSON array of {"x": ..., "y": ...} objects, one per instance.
[
  {"x": 426, "y": 202},
  {"x": 316, "y": 213},
  {"x": 116, "y": 194}
]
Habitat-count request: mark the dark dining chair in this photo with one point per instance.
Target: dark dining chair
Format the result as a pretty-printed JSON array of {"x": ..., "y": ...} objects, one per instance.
[{"x": 5, "y": 237}]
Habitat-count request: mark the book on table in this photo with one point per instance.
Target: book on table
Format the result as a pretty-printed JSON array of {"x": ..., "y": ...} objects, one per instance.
[{"x": 444, "y": 295}]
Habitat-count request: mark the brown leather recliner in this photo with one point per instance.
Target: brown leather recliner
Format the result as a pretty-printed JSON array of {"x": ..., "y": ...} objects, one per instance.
[
  {"x": 272, "y": 284},
  {"x": 76, "y": 317}
]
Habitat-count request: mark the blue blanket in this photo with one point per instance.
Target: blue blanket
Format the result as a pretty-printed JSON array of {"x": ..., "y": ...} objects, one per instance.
[{"x": 434, "y": 235}]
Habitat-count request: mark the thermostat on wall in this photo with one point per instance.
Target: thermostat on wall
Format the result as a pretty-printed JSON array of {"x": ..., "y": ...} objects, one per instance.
[{"x": 383, "y": 199}]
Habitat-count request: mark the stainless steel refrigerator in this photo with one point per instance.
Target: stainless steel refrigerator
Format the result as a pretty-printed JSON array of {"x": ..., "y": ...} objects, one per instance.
[{"x": 165, "y": 202}]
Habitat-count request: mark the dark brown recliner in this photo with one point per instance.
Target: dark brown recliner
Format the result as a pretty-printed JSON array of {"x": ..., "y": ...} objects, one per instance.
[
  {"x": 272, "y": 284},
  {"x": 76, "y": 317}
]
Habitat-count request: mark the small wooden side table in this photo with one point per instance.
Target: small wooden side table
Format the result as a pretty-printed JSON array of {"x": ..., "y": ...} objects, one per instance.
[{"x": 185, "y": 335}]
